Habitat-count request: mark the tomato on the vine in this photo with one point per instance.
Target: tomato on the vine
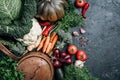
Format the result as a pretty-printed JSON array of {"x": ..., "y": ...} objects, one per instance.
[{"x": 72, "y": 49}]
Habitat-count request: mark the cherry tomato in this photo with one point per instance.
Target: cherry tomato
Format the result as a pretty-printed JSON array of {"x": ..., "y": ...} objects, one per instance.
[
  {"x": 72, "y": 49},
  {"x": 80, "y": 3},
  {"x": 81, "y": 55}
]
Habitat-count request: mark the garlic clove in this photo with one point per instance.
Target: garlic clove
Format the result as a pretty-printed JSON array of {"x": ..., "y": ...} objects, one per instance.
[
  {"x": 75, "y": 33},
  {"x": 82, "y": 31}
]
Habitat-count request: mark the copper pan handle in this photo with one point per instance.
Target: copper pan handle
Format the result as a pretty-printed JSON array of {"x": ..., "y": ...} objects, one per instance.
[{"x": 8, "y": 53}]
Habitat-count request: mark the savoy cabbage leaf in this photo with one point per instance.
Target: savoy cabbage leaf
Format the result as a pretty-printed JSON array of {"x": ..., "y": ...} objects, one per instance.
[
  {"x": 21, "y": 26},
  {"x": 9, "y": 10}
]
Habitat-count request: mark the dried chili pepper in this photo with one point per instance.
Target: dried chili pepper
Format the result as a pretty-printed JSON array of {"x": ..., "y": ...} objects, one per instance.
[
  {"x": 47, "y": 30},
  {"x": 84, "y": 9}
]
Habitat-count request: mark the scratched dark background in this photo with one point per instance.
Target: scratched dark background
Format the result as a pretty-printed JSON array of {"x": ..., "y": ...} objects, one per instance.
[{"x": 103, "y": 32}]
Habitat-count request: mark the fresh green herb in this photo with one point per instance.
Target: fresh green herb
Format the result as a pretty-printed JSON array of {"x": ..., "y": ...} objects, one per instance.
[
  {"x": 72, "y": 72},
  {"x": 71, "y": 18},
  {"x": 64, "y": 38},
  {"x": 8, "y": 69}
]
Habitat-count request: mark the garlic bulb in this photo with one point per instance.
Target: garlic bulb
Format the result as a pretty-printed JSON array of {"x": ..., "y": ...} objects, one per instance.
[{"x": 79, "y": 63}]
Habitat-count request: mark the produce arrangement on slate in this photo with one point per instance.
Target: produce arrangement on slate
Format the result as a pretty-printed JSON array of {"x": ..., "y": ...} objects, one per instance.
[{"x": 36, "y": 36}]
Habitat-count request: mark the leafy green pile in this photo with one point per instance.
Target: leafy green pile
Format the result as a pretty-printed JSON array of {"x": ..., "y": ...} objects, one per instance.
[
  {"x": 8, "y": 69},
  {"x": 18, "y": 48},
  {"x": 9, "y": 10},
  {"x": 71, "y": 18},
  {"x": 16, "y": 15},
  {"x": 64, "y": 39},
  {"x": 17, "y": 23},
  {"x": 72, "y": 72}
]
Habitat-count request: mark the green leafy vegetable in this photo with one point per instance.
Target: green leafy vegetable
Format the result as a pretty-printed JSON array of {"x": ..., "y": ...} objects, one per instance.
[
  {"x": 16, "y": 47},
  {"x": 64, "y": 38},
  {"x": 72, "y": 72},
  {"x": 8, "y": 69},
  {"x": 19, "y": 27},
  {"x": 9, "y": 10},
  {"x": 71, "y": 18}
]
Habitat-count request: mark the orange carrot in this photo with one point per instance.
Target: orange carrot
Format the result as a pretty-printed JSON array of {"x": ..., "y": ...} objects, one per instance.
[
  {"x": 50, "y": 44},
  {"x": 52, "y": 36},
  {"x": 48, "y": 48},
  {"x": 54, "y": 42},
  {"x": 46, "y": 44},
  {"x": 41, "y": 43}
]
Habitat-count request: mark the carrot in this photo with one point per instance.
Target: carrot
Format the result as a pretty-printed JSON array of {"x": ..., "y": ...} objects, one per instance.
[
  {"x": 50, "y": 44},
  {"x": 46, "y": 44},
  {"x": 41, "y": 43},
  {"x": 48, "y": 48},
  {"x": 52, "y": 36},
  {"x": 53, "y": 42}
]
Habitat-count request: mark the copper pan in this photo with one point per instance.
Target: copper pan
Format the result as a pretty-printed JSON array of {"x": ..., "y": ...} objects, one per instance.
[{"x": 35, "y": 65}]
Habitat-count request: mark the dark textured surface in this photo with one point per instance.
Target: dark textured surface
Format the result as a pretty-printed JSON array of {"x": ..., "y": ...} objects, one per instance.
[{"x": 103, "y": 33}]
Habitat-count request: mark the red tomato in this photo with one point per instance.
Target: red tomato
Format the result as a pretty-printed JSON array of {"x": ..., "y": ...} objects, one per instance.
[
  {"x": 81, "y": 55},
  {"x": 72, "y": 49},
  {"x": 80, "y": 3}
]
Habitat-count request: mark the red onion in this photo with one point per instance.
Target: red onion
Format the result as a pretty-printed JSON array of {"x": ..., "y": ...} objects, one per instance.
[
  {"x": 63, "y": 54},
  {"x": 56, "y": 52},
  {"x": 69, "y": 61},
  {"x": 57, "y": 63},
  {"x": 67, "y": 56}
]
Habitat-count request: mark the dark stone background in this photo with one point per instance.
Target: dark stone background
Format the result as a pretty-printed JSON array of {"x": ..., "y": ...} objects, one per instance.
[{"x": 103, "y": 33}]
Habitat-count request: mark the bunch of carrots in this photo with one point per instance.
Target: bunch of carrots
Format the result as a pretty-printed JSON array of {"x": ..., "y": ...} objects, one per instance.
[{"x": 48, "y": 41}]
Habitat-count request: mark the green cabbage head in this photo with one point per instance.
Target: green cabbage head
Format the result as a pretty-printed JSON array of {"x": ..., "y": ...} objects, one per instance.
[{"x": 9, "y": 10}]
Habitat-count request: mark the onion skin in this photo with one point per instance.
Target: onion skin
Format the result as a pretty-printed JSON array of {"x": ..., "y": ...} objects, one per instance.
[
  {"x": 67, "y": 57},
  {"x": 60, "y": 58},
  {"x": 57, "y": 64},
  {"x": 63, "y": 54},
  {"x": 69, "y": 61},
  {"x": 56, "y": 53}
]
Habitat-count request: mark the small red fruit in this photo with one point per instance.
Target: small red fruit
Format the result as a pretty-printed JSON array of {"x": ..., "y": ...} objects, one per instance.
[
  {"x": 81, "y": 55},
  {"x": 80, "y": 3},
  {"x": 72, "y": 49}
]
